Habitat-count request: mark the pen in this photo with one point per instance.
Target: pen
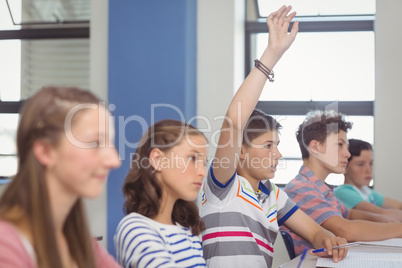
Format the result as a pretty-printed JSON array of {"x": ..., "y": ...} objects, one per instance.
[
  {"x": 336, "y": 247},
  {"x": 302, "y": 257}
]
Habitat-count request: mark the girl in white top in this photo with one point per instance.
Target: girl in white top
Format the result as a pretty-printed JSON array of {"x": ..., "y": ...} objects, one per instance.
[{"x": 162, "y": 225}]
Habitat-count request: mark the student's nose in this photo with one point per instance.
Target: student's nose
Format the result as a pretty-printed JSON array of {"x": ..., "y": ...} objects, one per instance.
[
  {"x": 347, "y": 153},
  {"x": 369, "y": 169},
  {"x": 277, "y": 154},
  {"x": 202, "y": 171},
  {"x": 112, "y": 159}
]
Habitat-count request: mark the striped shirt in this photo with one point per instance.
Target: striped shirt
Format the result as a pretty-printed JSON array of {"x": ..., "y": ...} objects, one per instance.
[
  {"x": 316, "y": 199},
  {"x": 143, "y": 242},
  {"x": 241, "y": 225}
]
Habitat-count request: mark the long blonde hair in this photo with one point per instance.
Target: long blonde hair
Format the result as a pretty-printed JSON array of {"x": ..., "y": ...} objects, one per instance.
[{"x": 42, "y": 118}]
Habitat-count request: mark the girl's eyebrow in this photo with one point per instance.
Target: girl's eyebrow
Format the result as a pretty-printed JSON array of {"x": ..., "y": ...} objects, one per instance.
[
  {"x": 196, "y": 151},
  {"x": 272, "y": 141}
]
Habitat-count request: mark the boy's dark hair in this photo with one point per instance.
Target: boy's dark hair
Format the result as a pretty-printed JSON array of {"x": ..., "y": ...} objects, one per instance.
[
  {"x": 317, "y": 126},
  {"x": 357, "y": 146},
  {"x": 258, "y": 124}
]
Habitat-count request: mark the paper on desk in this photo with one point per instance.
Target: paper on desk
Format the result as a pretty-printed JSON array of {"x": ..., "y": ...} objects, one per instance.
[
  {"x": 364, "y": 260},
  {"x": 393, "y": 242},
  {"x": 384, "y": 254}
]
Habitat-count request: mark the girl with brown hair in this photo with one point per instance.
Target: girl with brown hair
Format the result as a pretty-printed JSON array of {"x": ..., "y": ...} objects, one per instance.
[
  {"x": 162, "y": 225},
  {"x": 65, "y": 153}
]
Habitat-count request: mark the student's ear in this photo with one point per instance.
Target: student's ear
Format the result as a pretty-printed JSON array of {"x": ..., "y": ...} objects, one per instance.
[
  {"x": 314, "y": 147},
  {"x": 43, "y": 153},
  {"x": 242, "y": 152},
  {"x": 155, "y": 157}
]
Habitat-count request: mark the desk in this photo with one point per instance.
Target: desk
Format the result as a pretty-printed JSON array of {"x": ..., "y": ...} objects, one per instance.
[{"x": 310, "y": 260}]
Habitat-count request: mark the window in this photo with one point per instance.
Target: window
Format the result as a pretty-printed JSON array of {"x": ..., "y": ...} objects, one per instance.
[
  {"x": 324, "y": 66},
  {"x": 319, "y": 7},
  {"x": 41, "y": 43},
  {"x": 330, "y": 64}
]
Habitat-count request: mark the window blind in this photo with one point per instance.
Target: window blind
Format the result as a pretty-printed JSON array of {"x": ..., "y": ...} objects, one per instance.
[{"x": 62, "y": 62}]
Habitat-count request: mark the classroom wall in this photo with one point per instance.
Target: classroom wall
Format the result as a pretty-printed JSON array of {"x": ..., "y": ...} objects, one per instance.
[
  {"x": 96, "y": 209},
  {"x": 388, "y": 94},
  {"x": 151, "y": 61},
  {"x": 220, "y": 60}
]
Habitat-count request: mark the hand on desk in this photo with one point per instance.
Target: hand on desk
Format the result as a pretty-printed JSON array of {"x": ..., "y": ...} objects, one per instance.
[
  {"x": 319, "y": 237},
  {"x": 330, "y": 242}
]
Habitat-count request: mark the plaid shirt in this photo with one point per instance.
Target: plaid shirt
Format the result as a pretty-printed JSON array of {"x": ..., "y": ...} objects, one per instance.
[{"x": 316, "y": 199}]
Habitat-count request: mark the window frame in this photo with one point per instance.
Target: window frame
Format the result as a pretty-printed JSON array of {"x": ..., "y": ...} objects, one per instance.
[
  {"x": 62, "y": 32},
  {"x": 36, "y": 34},
  {"x": 309, "y": 24}
]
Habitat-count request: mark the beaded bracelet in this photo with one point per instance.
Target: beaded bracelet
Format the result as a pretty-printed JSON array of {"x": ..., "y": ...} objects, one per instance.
[{"x": 265, "y": 70}]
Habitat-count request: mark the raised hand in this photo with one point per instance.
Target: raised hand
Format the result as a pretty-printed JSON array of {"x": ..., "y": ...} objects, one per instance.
[
  {"x": 246, "y": 98},
  {"x": 278, "y": 23}
]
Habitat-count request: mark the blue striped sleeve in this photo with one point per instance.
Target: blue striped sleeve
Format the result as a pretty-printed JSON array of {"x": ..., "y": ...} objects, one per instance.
[{"x": 138, "y": 244}]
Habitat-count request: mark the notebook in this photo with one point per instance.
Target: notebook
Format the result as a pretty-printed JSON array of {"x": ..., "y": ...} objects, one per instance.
[{"x": 384, "y": 254}]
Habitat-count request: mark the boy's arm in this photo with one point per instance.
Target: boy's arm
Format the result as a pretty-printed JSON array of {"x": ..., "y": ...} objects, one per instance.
[
  {"x": 391, "y": 203},
  {"x": 360, "y": 230},
  {"x": 357, "y": 214},
  {"x": 309, "y": 230},
  {"x": 247, "y": 96},
  {"x": 367, "y": 206}
]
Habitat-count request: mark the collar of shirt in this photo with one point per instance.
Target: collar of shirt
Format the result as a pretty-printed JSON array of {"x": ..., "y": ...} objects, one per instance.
[{"x": 313, "y": 179}]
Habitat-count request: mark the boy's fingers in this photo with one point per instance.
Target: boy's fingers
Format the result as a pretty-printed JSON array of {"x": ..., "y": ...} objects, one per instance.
[
  {"x": 295, "y": 29},
  {"x": 328, "y": 246},
  {"x": 341, "y": 253},
  {"x": 284, "y": 14},
  {"x": 344, "y": 253},
  {"x": 335, "y": 255},
  {"x": 272, "y": 16},
  {"x": 290, "y": 17},
  {"x": 280, "y": 14}
]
